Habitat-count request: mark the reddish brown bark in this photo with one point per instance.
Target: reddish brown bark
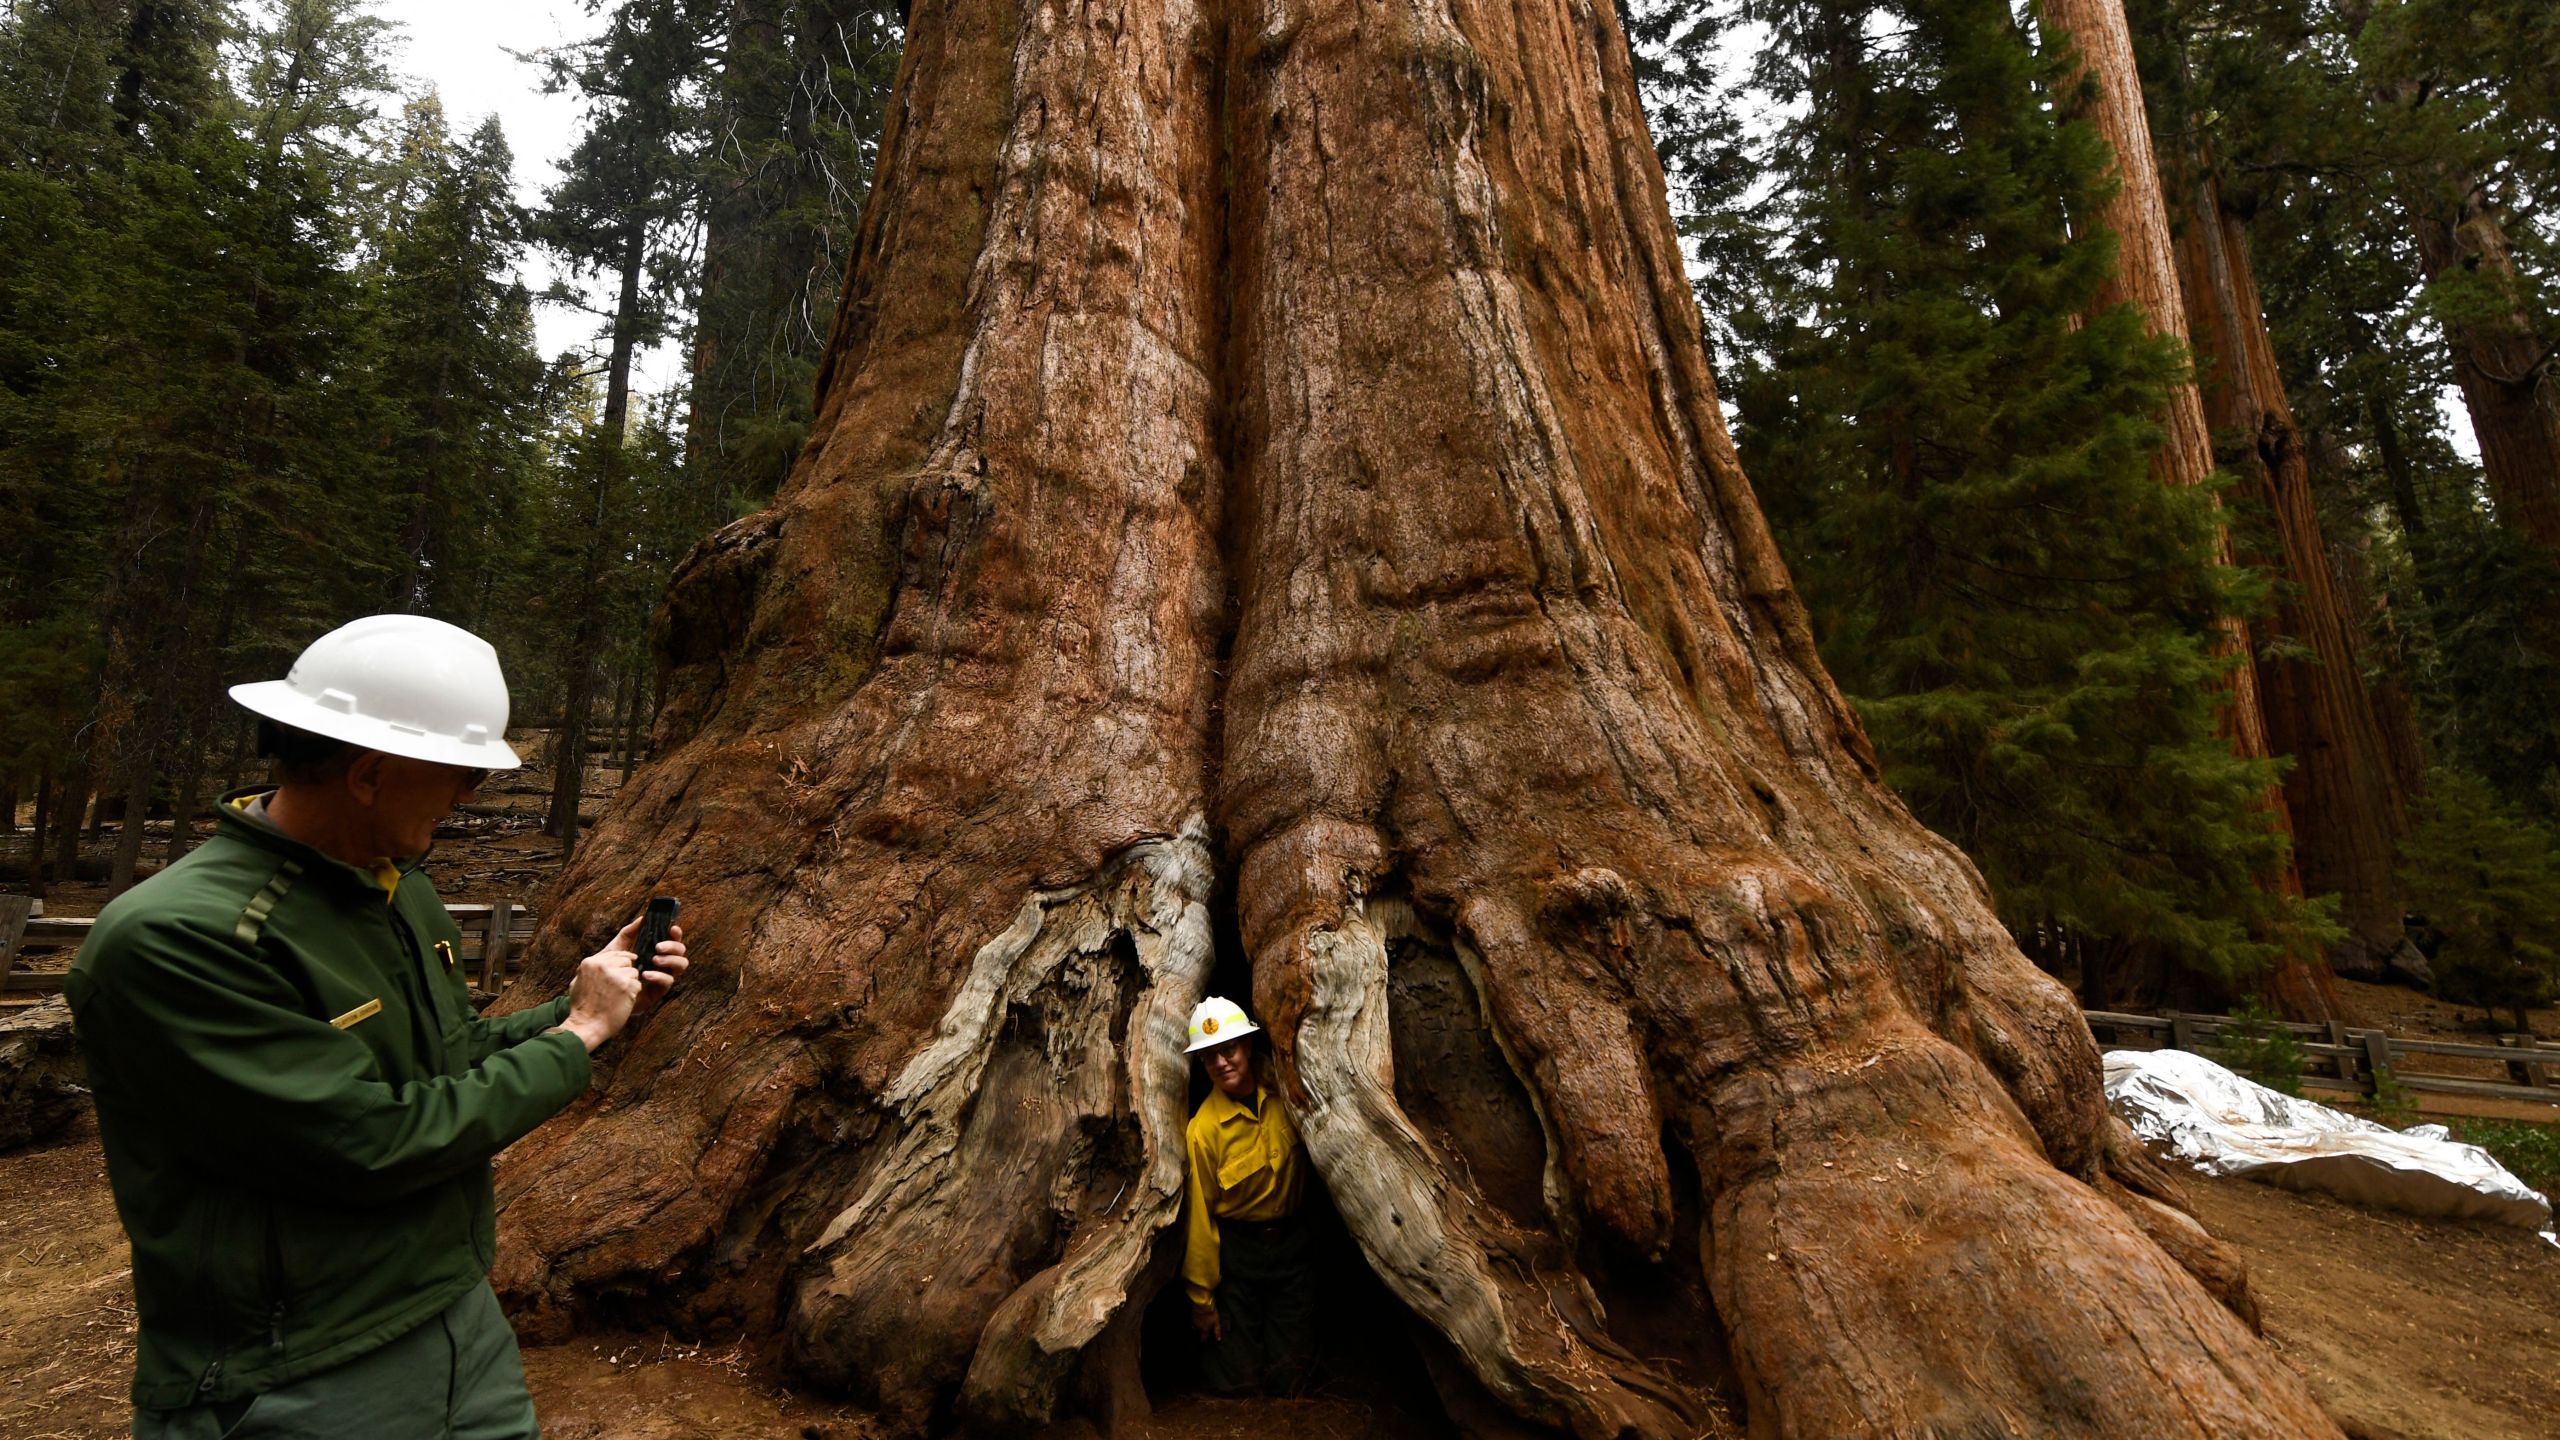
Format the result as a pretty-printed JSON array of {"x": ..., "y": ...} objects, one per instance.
[
  {"x": 2509, "y": 374},
  {"x": 1276, "y": 444},
  {"x": 2348, "y": 813},
  {"x": 2147, "y": 277}
]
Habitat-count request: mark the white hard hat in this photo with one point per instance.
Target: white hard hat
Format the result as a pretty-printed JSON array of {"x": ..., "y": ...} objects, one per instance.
[
  {"x": 1215, "y": 1021},
  {"x": 401, "y": 684}
]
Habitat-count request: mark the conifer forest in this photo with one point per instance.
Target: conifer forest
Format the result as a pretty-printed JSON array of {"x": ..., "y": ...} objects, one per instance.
[{"x": 1668, "y": 589}]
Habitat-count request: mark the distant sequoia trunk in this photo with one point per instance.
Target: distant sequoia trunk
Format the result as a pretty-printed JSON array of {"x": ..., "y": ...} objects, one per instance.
[
  {"x": 2344, "y": 795},
  {"x": 1268, "y": 505},
  {"x": 2147, "y": 277}
]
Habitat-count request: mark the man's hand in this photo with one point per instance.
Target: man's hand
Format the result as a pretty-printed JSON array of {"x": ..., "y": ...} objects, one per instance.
[
  {"x": 1204, "y": 1318},
  {"x": 609, "y": 983}
]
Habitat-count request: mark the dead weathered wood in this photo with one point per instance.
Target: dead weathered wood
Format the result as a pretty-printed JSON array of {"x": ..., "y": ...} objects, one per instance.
[
  {"x": 496, "y": 940},
  {"x": 2377, "y": 1059},
  {"x": 57, "y": 932},
  {"x": 13, "y": 924},
  {"x": 40, "y": 1074},
  {"x": 2535, "y": 1070},
  {"x": 2357, "y": 1058}
]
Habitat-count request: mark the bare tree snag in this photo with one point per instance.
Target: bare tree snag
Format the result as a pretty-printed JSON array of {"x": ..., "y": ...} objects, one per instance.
[
  {"x": 2347, "y": 813},
  {"x": 1268, "y": 452}
]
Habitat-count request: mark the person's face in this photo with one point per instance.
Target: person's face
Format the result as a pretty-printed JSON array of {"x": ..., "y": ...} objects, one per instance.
[
  {"x": 404, "y": 798},
  {"x": 1230, "y": 1068}
]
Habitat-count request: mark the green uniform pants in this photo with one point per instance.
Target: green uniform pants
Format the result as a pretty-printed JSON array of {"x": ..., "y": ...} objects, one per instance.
[
  {"x": 1266, "y": 1299},
  {"x": 457, "y": 1377}
]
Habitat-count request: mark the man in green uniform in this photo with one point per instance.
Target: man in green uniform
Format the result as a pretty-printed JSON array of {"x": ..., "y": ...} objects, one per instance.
[
  {"x": 1246, "y": 1258},
  {"x": 297, "y": 1100}
]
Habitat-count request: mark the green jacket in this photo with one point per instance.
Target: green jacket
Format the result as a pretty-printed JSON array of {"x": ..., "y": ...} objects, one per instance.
[{"x": 304, "y": 1176}]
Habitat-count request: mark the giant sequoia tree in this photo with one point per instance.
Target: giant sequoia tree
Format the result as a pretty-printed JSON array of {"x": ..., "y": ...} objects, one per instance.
[{"x": 1267, "y": 495}]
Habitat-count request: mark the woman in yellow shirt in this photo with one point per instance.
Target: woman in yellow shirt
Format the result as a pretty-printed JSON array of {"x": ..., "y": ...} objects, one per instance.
[{"x": 1246, "y": 1259}]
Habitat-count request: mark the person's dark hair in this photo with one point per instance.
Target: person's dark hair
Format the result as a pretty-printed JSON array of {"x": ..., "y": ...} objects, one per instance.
[{"x": 301, "y": 757}]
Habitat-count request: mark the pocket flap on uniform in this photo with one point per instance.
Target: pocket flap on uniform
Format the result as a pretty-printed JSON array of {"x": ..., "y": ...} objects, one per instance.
[
  {"x": 360, "y": 1014},
  {"x": 1240, "y": 1167}
]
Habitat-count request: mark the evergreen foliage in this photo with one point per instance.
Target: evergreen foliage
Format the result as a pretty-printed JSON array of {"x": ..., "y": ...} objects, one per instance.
[
  {"x": 265, "y": 363},
  {"x": 1957, "y": 463},
  {"x": 795, "y": 114},
  {"x": 2343, "y": 126},
  {"x": 2487, "y": 881}
]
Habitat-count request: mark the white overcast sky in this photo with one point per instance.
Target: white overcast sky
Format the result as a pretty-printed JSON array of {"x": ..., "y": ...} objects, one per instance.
[{"x": 459, "y": 48}]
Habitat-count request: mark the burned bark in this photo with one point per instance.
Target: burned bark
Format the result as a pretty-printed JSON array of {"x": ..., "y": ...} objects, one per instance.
[{"x": 1272, "y": 448}]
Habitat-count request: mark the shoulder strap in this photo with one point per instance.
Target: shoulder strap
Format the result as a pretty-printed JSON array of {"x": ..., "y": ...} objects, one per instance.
[{"x": 253, "y": 919}]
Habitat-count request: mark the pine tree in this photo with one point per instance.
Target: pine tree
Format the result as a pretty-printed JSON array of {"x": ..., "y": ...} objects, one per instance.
[
  {"x": 460, "y": 382},
  {"x": 794, "y": 118},
  {"x": 2311, "y": 105},
  {"x": 1959, "y": 470},
  {"x": 2486, "y": 880},
  {"x": 627, "y": 210}
]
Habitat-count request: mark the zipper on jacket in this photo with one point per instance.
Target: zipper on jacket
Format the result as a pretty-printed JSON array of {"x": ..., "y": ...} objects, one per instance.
[{"x": 212, "y": 1377}]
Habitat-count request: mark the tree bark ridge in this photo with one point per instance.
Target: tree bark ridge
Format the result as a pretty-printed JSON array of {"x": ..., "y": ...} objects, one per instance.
[
  {"x": 2347, "y": 813},
  {"x": 1307, "y": 475}
]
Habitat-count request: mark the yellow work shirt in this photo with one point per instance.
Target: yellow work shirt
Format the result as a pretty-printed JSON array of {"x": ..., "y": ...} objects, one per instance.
[{"x": 1243, "y": 1164}]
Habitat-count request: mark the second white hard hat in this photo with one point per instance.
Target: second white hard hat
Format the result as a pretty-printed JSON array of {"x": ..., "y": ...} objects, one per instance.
[
  {"x": 1215, "y": 1021},
  {"x": 401, "y": 684}
]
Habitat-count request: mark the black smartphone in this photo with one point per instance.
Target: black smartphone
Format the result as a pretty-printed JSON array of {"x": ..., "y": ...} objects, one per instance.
[{"x": 654, "y": 923}]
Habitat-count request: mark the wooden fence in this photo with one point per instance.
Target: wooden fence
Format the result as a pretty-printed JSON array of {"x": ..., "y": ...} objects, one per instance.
[
  {"x": 2345, "y": 1058},
  {"x": 492, "y": 937}
]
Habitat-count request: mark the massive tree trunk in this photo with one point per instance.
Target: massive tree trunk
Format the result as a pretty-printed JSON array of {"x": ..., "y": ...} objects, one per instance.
[
  {"x": 1266, "y": 472},
  {"x": 2348, "y": 814}
]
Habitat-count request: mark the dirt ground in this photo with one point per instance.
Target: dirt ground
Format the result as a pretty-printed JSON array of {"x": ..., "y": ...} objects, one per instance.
[
  {"x": 2409, "y": 1329},
  {"x": 2406, "y": 1328}
]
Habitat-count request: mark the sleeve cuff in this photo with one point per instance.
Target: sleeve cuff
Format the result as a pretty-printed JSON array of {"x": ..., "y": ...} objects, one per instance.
[{"x": 577, "y": 1066}]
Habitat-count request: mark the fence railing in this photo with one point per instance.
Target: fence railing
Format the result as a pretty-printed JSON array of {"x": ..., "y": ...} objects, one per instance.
[
  {"x": 2346, "y": 1057},
  {"x": 493, "y": 935}
]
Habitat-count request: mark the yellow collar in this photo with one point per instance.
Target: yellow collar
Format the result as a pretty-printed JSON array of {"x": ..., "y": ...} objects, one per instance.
[
  {"x": 1225, "y": 1108},
  {"x": 385, "y": 873}
]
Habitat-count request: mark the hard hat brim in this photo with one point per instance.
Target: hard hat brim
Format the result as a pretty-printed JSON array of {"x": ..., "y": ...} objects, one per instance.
[
  {"x": 1237, "y": 1030},
  {"x": 279, "y": 701}
]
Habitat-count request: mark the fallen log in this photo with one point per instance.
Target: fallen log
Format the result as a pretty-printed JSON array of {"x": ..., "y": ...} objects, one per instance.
[{"x": 42, "y": 1086}]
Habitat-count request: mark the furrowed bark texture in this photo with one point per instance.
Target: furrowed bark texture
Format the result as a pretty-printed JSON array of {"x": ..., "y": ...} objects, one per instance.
[
  {"x": 1268, "y": 452},
  {"x": 2510, "y": 377},
  {"x": 2146, "y": 277},
  {"x": 2348, "y": 815}
]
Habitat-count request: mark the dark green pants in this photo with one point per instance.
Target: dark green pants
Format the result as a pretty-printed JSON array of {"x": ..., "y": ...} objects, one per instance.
[
  {"x": 457, "y": 1377},
  {"x": 1266, "y": 1309}
]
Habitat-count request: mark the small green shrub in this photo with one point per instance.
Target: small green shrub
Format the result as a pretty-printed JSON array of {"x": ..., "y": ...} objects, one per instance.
[
  {"x": 2391, "y": 1102},
  {"x": 2530, "y": 1151},
  {"x": 2256, "y": 1044}
]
